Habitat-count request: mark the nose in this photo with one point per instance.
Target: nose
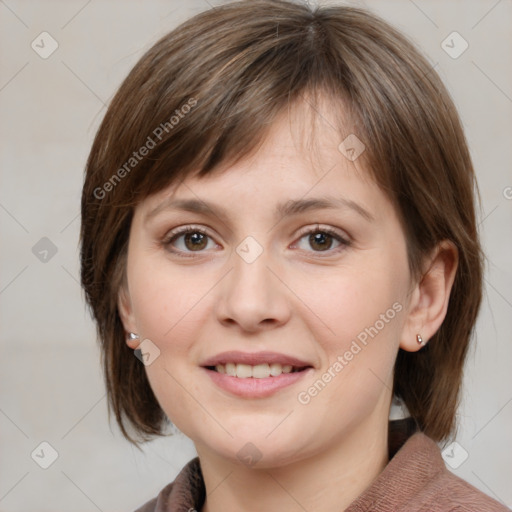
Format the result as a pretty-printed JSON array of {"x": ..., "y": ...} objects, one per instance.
[{"x": 251, "y": 297}]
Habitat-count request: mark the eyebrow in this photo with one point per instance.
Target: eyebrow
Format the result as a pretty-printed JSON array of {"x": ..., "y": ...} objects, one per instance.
[{"x": 286, "y": 209}]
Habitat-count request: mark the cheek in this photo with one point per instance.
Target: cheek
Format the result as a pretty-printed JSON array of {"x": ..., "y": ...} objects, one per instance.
[
  {"x": 171, "y": 306},
  {"x": 357, "y": 323},
  {"x": 163, "y": 298},
  {"x": 344, "y": 304},
  {"x": 167, "y": 306},
  {"x": 358, "y": 338}
]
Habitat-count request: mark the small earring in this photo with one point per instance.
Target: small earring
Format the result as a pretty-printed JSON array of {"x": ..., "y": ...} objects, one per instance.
[
  {"x": 133, "y": 336},
  {"x": 419, "y": 339}
]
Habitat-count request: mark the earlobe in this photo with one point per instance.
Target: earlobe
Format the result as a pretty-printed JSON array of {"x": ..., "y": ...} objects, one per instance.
[
  {"x": 430, "y": 297},
  {"x": 126, "y": 314}
]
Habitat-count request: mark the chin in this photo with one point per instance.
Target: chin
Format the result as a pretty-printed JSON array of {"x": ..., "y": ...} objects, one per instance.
[{"x": 256, "y": 448}]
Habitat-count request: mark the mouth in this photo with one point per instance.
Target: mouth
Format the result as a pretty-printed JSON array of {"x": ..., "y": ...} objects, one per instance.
[
  {"x": 258, "y": 371},
  {"x": 256, "y": 375}
]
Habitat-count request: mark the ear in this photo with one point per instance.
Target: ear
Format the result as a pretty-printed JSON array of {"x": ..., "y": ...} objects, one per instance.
[
  {"x": 125, "y": 309},
  {"x": 430, "y": 296}
]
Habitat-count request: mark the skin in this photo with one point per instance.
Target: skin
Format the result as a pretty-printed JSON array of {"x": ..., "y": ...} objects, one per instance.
[{"x": 294, "y": 299}]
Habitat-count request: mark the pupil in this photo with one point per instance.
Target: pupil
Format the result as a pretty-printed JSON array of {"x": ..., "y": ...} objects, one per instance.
[
  {"x": 322, "y": 241},
  {"x": 195, "y": 241}
]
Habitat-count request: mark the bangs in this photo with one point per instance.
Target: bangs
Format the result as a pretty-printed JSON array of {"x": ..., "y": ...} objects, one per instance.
[{"x": 215, "y": 106}]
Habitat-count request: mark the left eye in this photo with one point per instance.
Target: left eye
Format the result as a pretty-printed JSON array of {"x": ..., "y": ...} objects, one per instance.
[
  {"x": 321, "y": 240},
  {"x": 191, "y": 241}
]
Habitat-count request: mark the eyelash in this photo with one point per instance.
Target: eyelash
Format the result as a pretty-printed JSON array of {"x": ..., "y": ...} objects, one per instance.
[{"x": 174, "y": 235}]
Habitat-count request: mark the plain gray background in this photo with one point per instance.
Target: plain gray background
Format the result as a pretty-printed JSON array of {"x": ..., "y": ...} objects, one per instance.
[{"x": 51, "y": 386}]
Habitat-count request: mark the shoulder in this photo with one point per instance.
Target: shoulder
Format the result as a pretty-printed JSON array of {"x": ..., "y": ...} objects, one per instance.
[
  {"x": 442, "y": 490},
  {"x": 187, "y": 492},
  {"x": 417, "y": 480},
  {"x": 155, "y": 504},
  {"x": 150, "y": 506},
  {"x": 447, "y": 492}
]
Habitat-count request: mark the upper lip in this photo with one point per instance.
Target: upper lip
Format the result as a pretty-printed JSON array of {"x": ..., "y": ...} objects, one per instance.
[{"x": 254, "y": 359}]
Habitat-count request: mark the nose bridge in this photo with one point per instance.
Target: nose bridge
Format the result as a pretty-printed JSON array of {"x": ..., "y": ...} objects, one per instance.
[
  {"x": 251, "y": 295},
  {"x": 251, "y": 278}
]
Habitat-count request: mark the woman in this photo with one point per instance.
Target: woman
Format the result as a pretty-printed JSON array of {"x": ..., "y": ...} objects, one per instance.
[{"x": 278, "y": 220}]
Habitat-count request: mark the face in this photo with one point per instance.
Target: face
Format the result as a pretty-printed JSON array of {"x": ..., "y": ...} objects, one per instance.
[{"x": 273, "y": 294}]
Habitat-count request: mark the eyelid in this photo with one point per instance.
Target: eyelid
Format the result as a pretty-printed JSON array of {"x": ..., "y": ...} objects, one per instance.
[
  {"x": 342, "y": 236},
  {"x": 186, "y": 229}
]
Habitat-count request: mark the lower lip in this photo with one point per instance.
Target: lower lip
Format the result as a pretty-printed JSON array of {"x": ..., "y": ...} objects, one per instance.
[{"x": 255, "y": 388}]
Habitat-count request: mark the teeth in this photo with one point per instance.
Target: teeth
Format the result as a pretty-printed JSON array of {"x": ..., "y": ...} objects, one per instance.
[
  {"x": 243, "y": 371},
  {"x": 259, "y": 371},
  {"x": 230, "y": 369},
  {"x": 276, "y": 369}
]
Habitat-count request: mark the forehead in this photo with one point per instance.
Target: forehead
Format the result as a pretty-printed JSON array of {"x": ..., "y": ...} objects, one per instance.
[{"x": 306, "y": 152}]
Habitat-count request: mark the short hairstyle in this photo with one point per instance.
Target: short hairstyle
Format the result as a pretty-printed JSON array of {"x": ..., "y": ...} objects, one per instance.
[{"x": 206, "y": 94}]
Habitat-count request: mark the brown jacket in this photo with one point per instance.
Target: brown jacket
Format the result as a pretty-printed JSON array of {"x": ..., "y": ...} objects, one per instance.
[{"x": 414, "y": 480}]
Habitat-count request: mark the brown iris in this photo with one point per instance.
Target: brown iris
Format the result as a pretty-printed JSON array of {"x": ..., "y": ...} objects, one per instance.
[
  {"x": 195, "y": 241},
  {"x": 320, "y": 241}
]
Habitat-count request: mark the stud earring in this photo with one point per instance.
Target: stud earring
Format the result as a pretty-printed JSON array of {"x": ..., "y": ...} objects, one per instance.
[
  {"x": 419, "y": 339},
  {"x": 133, "y": 336}
]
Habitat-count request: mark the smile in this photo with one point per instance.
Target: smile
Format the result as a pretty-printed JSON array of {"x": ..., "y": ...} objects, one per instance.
[
  {"x": 259, "y": 371},
  {"x": 255, "y": 375}
]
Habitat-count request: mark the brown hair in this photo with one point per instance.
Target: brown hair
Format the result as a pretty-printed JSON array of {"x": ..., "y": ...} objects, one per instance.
[{"x": 206, "y": 94}]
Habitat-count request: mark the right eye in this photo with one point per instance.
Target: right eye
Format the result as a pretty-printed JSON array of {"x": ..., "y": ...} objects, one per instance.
[{"x": 188, "y": 239}]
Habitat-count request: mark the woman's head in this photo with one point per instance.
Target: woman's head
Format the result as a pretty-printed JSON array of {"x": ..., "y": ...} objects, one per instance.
[{"x": 250, "y": 106}]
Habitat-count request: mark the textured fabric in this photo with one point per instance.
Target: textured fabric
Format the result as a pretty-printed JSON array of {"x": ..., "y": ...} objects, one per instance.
[{"x": 415, "y": 480}]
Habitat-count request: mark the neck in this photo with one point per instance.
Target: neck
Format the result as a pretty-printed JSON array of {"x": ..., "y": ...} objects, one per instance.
[{"x": 328, "y": 481}]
